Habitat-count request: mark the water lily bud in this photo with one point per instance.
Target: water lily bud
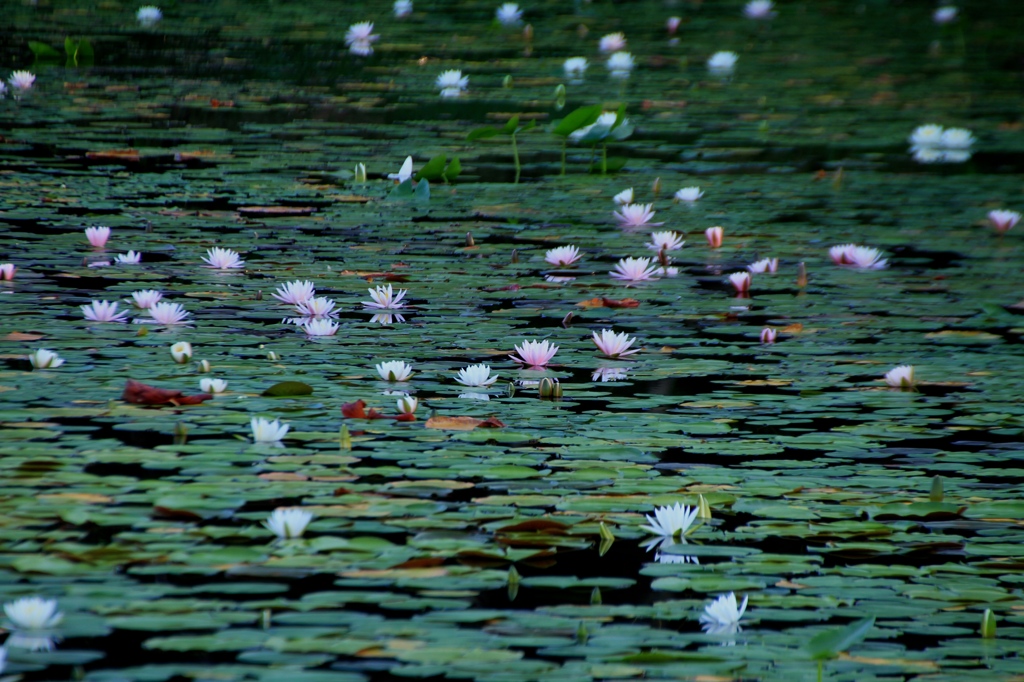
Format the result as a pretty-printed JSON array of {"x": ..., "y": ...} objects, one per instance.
[
  {"x": 510, "y": 390},
  {"x": 656, "y": 187},
  {"x": 703, "y": 508},
  {"x": 407, "y": 404},
  {"x": 344, "y": 438},
  {"x": 272, "y": 356},
  {"x": 469, "y": 239},
  {"x": 936, "y": 493},
  {"x": 567, "y": 320},
  {"x": 581, "y": 633},
  {"x": 556, "y": 392},
  {"x": 560, "y": 97},
  {"x": 528, "y": 32},
  {"x": 515, "y": 255},
  {"x": 801, "y": 276},
  {"x": 988, "y": 624},
  {"x": 203, "y": 366},
  {"x": 180, "y": 433},
  {"x": 595, "y": 596},
  {"x": 360, "y": 173},
  {"x": 259, "y": 295},
  {"x": 546, "y": 387},
  {"x": 506, "y": 82},
  {"x": 181, "y": 352}
]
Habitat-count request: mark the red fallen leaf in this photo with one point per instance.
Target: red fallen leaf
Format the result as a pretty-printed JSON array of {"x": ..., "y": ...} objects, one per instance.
[
  {"x": 536, "y": 526},
  {"x": 392, "y": 277},
  {"x": 620, "y": 303},
  {"x": 406, "y": 417},
  {"x": 139, "y": 393},
  {"x": 114, "y": 155},
  {"x": 357, "y": 410},
  {"x": 426, "y": 562},
  {"x": 491, "y": 423}
]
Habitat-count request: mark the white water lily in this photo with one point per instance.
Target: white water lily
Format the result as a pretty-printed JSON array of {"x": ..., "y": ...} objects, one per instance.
[
  {"x": 146, "y": 298},
  {"x": 957, "y": 138},
  {"x": 166, "y": 313},
  {"x": 945, "y": 14},
  {"x": 605, "y": 374},
  {"x": 149, "y": 15},
  {"x": 452, "y": 83},
  {"x": 722, "y": 63},
  {"x": 901, "y": 377},
  {"x": 385, "y": 298},
  {"x": 620, "y": 64},
  {"x": 404, "y": 173},
  {"x": 636, "y": 215},
  {"x": 266, "y": 431},
  {"x": 33, "y": 613},
  {"x": 575, "y": 67},
  {"x": 563, "y": 255},
  {"x": 288, "y": 523},
  {"x": 45, "y": 359},
  {"x": 926, "y": 136},
  {"x": 634, "y": 270},
  {"x": 296, "y": 292},
  {"x": 723, "y": 615},
  {"x": 21, "y": 80},
  {"x": 130, "y": 258},
  {"x": 613, "y": 42},
  {"x": 509, "y": 14},
  {"x": 759, "y": 9},
  {"x": 320, "y": 327},
  {"x": 402, "y": 8},
  {"x": 207, "y": 385},
  {"x": 763, "y": 265},
  {"x": 671, "y": 521},
  {"x": 394, "y": 370},
  {"x": 614, "y": 344},
  {"x": 666, "y": 241},
  {"x": 223, "y": 259},
  {"x": 181, "y": 352},
  {"x": 688, "y": 194},
  {"x": 103, "y": 311},
  {"x": 624, "y": 197},
  {"x": 476, "y": 375},
  {"x": 360, "y": 38},
  {"x": 407, "y": 404},
  {"x": 319, "y": 306}
]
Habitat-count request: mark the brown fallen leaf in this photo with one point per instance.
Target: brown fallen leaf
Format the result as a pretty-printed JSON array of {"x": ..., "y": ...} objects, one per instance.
[
  {"x": 114, "y": 154},
  {"x": 603, "y": 302},
  {"x": 461, "y": 423},
  {"x": 357, "y": 410},
  {"x": 279, "y": 211},
  {"x": 139, "y": 393}
]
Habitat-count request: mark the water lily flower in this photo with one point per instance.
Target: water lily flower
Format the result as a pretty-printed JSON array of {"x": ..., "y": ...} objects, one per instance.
[
  {"x": 624, "y": 197},
  {"x": 166, "y": 313},
  {"x": 476, "y": 375},
  {"x": 181, "y": 352},
  {"x": 320, "y": 306},
  {"x": 620, "y": 64},
  {"x": 671, "y": 521},
  {"x": 130, "y": 258},
  {"x": 203, "y": 366},
  {"x": 407, "y": 404},
  {"x": 33, "y": 613},
  {"x": 688, "y": 194},
  {"x": 606, "y": 374},
  {"x": 360, "y": 38},
  {"x": 404, "y": 173},
  {"x": 223, "y": 259},
  {"x": 385, "y": 298},
  {"x": 926, "y": 136},
  {"x": 45, "y": 359},
  {"x": 666, "y": 241},
  {"x": 901, "y": 377},
  {"x": 452, "y": 83},
  {"x": 296, "y": 292},
  {"x": 266, "y": 431},
  {"x": 103, "y": 311},
  {"x": 768, "y": 336},
  {"x": 634, "y": 270},
  {"x": 207, "y": 385},
  {"x": 636, "y": 215},
  {"x": 288, "y": 523},
  {"x": 394, "y": 370},
  {"x": 402, "y": 8},
  {"x": 535, "y": 353},
  {"x": 21, "y": 80},
  {"x": 741, "y": 281},
  {"x": 320, "y": 327},
  {"x": 863, "y": 257},
  {"x": 606, "y": 120},
  {"x": 149, "y": 15},
  {"x": 7, "y": 271},
  {"x": 722, "y": 616},
  {"x": 509, "y": 14},
  {"x": 614, "y": 344},
  {"x": 722, "y": 63},
  {"x": 759, "y": 9},
  {"x": 613, "y": 42},
  {"x": 672, "y": 25},
  {"x": 945, "y": 14},
  {"x": 957, "y": 138},
  {"x": 714, "y": 236},
  {"x": 563, "y": 255},
  {"x": 1003, "y": 220},
  {"x": 575, "y": 67},
  {"x": 763, "y": 265},
  {"x": 97, "y": 236}
]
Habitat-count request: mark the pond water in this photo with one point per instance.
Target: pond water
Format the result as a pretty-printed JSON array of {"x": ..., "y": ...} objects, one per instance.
[{"x": 514, "y": 550}]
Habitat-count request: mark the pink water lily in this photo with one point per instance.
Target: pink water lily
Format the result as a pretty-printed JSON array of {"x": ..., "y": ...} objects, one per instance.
[
  {"x": 166, "y": 313},
  {"x": 535, "y": 353},
  {"x": 715, "y": 236},
  {"x": 634, "y": 270},
  {"x": 7, "y": 271},
  {"x": 103, "y": 311},
  {"x": 384, "y": 297},
  {"x": 741, "y": 281},
  {"x": 97, "y": 236},
  {"x": 614, "y": 344},
  {"x": 763, "y": 265},
  {"x": 1003, "y": 220},
  {"x": 563, "y": 255},
  {"x": 768, "y": 336},
  {"x": 636, "y": 215},
  {"x": 862, "y": 257},
  {"x": 294, "y": 293},
  {"x": 223, "y": 259}
]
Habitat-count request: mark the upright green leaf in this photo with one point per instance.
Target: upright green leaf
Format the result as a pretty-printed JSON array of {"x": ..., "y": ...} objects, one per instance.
[
  {"x": 483, "y": 133},
  {"x": 831, "y": 643},
  {"x": 577, "y": 119},
  {"x": 43, "y": 51},
  {"x": 422, "y": 192},
  {"x": 433, "y": 169},
  {"x": 453, "y": 170}
]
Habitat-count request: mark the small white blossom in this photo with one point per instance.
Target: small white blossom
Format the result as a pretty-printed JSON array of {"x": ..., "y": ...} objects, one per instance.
[{"x": 288, "y": 523}]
